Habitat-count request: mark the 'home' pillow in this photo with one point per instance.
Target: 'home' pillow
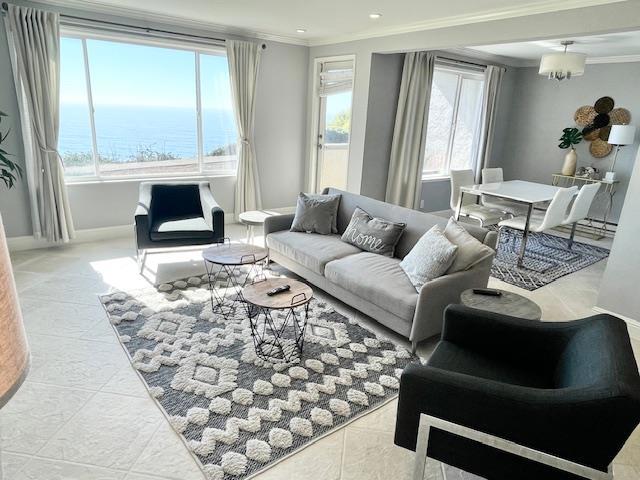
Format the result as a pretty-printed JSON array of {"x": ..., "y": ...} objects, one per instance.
[
  {"x": 470, "y": 250},
  {"x": 316, "y": 214},
  {"x": 373, "y": 234},
  {"x": 429, "y": 258}
]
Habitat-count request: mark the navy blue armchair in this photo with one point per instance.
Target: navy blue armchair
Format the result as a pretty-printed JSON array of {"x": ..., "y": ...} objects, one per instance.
[
  {"x": 176, "y": 215},
  {"x": 570, "y": 390}
]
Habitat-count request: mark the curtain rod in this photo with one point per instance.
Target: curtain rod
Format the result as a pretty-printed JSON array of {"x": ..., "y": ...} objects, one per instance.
[
  {"x": 455, "y": 60},
  {"x": 5, "y": 8}
]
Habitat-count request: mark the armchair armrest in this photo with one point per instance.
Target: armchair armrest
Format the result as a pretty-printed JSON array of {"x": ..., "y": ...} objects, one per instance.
[
  {"x": 278, "y": 223},
  {"x": 142, "y": 216},
  {"x": 213, "y": 213},
  {"x": 435, "y": 295},
  {"x": 555, "y": 421}
]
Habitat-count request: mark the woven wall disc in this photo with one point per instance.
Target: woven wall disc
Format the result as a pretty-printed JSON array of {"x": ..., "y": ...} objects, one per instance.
[
  {"x": 620, "y": 116},
  {"x": 604, "y": 105},
  {"x": 591, "y": 135},
  {"x": 604, "y": 133},
  {"x": 585, "y": 115},
  {"x": 600, "y": 148}
]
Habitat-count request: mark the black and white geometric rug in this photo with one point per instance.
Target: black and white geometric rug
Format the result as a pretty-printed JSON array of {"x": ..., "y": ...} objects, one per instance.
[
  {"x": 238, "y": 414},
  {"x": 547, "y": 258}
]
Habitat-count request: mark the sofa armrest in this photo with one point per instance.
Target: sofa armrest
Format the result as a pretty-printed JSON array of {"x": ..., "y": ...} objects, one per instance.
[
  {"x": 277, "y": 223},
  {"x": 435, "y": 295},
  {"x": 213, "y": 213}
]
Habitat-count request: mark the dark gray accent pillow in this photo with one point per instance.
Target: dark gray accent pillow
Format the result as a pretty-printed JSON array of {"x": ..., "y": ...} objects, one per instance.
[
  {"x": 373, "y": 234},
  {"x": 316, "y": 214}
]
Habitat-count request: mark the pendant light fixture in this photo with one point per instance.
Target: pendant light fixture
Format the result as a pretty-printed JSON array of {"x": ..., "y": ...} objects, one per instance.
[{"x": 563, "y": 65}]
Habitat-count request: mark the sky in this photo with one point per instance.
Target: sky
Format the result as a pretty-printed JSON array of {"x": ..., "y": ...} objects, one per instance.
[{"x": 140, "y": 75}]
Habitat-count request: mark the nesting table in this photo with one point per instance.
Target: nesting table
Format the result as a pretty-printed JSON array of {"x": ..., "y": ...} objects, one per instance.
[
  {"x": 224, "y": 264},
  {"x": 508, "y": 303},
  {"x": 278, "y": 322}
]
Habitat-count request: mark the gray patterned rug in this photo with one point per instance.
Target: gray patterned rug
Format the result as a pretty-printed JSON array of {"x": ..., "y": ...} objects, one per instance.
[
  {"x": 237, "y": 413},
  {"x": 547, "y": 258}
]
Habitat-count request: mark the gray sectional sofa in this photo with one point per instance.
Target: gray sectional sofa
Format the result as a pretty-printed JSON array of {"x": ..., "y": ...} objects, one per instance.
[{"x": 372, "y": 283}]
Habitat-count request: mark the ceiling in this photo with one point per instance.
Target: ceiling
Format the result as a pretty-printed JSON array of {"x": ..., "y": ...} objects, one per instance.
[
  {"x": 599, "y": 48},
  {"x": 326, "y": 21}
]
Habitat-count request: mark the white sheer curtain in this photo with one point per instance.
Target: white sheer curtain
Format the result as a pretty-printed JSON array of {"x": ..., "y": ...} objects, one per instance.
[
  {"x": 407, "y": 149},
  {"x": 491, "y": 90},
  {"x": 34, "y": 45},
  {"x": 244, "y": 61}
]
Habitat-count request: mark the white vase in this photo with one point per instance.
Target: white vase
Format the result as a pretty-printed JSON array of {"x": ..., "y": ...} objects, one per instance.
[{"x": 570, "y": 162}]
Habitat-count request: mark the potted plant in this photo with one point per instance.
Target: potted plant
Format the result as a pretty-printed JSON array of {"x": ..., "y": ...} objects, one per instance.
[
  {"x": 9, "y": 171},
  {"x": 570, "y": 136}
]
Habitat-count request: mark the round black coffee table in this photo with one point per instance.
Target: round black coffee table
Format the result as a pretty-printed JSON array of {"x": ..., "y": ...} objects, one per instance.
[
  {"x": 225, "y": 264},
  {"x": 508, "y": 303},
  {"x": 279, "y": 337}
]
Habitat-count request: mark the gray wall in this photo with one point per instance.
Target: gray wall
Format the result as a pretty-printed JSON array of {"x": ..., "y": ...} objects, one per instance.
[
  {"x": 619, "y": 286},
  {"x": 527, "y": 135},
  {"x": 280, "y": 129},
  {"x": 386, "y": 74},
  {"x": 574, "y": 22}
]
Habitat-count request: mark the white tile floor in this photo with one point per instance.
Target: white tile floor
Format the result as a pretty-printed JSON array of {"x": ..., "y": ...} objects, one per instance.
[{"x": 83, "y": 414}]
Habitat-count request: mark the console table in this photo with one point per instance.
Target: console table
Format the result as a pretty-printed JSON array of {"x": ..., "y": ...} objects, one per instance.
[{"x": 607, "y": 193}]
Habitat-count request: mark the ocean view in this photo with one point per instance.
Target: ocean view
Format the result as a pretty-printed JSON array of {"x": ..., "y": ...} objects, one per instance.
[{"x": 122, "y": 132}]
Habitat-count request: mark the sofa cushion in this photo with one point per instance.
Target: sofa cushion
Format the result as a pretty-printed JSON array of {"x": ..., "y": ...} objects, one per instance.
[
  {"x": 470, "y": 250},
  {"x": 311, "y": 250},
  {"x": 180, "y": 229},
  {"x": 377, "y": 279},
  {"x": 373, "y": 234}
]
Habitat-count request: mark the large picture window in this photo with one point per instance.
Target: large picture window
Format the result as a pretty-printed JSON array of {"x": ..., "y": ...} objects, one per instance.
[
  {"x": 454, "y": 115},
  {"x": 137, "y": 110}
]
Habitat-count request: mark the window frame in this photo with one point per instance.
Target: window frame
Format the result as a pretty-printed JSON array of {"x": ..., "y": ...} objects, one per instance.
[
  {"x": 84, "y": 34},
  {"x": 461, "y": 73}
]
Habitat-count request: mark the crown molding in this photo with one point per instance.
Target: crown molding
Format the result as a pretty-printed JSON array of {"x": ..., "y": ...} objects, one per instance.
[
  {"x": 97, "y": 7},
  {"x": 547, "y": 6},
  {"x": 614, "y": 59}
]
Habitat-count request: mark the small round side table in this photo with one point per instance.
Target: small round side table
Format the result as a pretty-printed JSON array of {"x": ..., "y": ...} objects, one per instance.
[
  {"x": 278, "y": 338},
  {"x": 508, "y": 303},
  {"x": 224, "y": 263},
  {"x": 254, "y": 218}
]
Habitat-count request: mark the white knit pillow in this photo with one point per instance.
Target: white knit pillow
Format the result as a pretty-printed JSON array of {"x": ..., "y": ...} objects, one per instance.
[{"x": 429, "y": 258}]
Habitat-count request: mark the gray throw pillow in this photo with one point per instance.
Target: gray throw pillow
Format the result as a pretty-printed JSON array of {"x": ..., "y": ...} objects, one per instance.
[
  {"x": 373, "y": 234},
  {"x": 316, "y": 214},
  {"x": 429, "y": 258},
  {"x": 471, "y": 251}
]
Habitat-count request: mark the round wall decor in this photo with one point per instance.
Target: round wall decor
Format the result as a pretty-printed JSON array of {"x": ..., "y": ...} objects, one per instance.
[
  {"x": 600, "y": 148},
  {"x": 604, "y": 105},
  {"x": 584, "y": 115},
  {"x": 620, "y": 116}
]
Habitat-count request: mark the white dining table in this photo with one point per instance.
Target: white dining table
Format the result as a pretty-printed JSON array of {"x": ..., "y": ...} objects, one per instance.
[{"x": 519, "y": 191}]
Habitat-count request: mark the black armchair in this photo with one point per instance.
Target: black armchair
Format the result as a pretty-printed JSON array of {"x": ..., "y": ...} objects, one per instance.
[
  {"x": 176, "y": 215},
  {"x": 570, "y": 390}
]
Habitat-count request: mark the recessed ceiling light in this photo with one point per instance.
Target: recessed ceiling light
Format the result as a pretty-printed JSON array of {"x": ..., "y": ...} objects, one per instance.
[
  {"x": 301, "y": 30},
  {"x": 375, "y": 16}
]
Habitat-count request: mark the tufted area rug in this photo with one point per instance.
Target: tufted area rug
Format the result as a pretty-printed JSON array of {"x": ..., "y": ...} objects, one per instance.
[{"x": 237, "y": 413}]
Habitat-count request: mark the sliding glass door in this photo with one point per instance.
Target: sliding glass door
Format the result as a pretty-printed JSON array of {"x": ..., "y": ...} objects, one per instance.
[{"x": 334, "y": 123}]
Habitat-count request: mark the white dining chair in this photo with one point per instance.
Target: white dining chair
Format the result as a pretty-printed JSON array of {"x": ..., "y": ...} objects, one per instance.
[
  {"x": 469, "y": 207},
  {"x": 495, "y": 175},
  {"x": 554, "y": 216},
  {"x": 580, "y": 208}
]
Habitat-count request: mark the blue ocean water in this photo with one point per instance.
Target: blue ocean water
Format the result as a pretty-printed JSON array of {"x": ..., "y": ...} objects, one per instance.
[{"x": 121, "y": 131}]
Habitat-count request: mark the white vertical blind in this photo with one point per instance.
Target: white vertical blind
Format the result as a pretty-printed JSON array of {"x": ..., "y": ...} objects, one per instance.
[{"x": 336, "y": 77}]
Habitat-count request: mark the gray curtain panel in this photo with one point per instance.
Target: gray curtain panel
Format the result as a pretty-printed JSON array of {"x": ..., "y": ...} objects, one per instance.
[
  {"x": 492, "y": 81},
  {"x": 407, "y": 149},
  {"x": 244, "y": 62},
  {"x": 34, "y": 45}
]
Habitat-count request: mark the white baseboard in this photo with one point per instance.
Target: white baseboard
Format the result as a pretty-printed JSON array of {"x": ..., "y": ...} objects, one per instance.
[
  {"x": 18, "y": 244},
  {"x": 632, "y": 324}
]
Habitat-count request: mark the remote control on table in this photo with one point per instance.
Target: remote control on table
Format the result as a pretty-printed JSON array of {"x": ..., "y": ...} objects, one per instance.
[
  {"x": 280, "y": 289},
  {"x": 492, "y": 292}
]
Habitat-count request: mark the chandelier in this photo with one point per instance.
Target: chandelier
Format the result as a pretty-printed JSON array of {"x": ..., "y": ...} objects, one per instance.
[{"x": 562, "y": 65}]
